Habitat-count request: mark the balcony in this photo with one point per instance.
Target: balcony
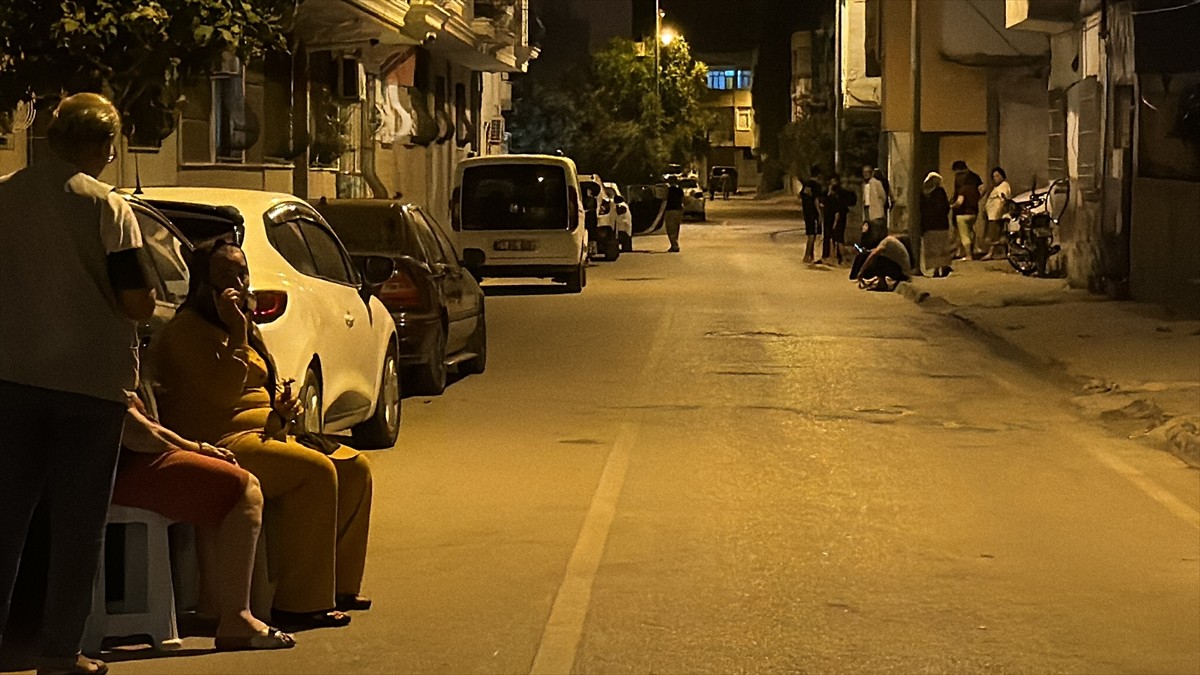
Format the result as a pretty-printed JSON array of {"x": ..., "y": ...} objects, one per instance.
[{"x": 1041, "y": 16}]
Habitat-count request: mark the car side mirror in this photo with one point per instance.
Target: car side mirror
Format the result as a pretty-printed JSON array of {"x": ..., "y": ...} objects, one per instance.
[
  {"x": 375, "y": 269},
  {"x": 473, "y": 259}
]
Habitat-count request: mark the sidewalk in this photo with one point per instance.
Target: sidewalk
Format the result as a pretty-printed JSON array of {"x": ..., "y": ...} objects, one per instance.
[{"x": 1134, "y": 367}]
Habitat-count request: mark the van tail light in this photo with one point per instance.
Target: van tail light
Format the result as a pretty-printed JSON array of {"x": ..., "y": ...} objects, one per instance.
[
  {"x": 456, "y": 209},
  {"x": 401, "y": 292},
  {"x": 269, "y": 305}
]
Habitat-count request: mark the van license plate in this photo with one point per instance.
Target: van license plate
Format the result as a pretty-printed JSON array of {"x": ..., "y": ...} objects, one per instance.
[{"x": 515, "y": 245}]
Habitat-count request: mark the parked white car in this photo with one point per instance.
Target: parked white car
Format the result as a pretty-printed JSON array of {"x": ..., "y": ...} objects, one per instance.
[
  {"x": 323, "y": 327},
  {"x": 600, "y": 215},
  {"x": 622, "y": 218},
  {"x": 693, "y": 199},
  {"x": 523, "y": 213}
]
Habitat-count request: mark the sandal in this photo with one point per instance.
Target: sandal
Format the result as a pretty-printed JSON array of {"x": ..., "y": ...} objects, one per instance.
[
  {"x": 331, "y": 618},
  {"x": 347, "y": 602},
  {"x": 80, "y": 665},
  {"x": 269, "y": 638}
]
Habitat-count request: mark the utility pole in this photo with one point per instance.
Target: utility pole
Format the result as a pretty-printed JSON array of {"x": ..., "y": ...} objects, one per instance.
[
  {"x": 915, "y": 180},
  {"x": 657, "y": 45},
  {"x": 838, "y": 98}
]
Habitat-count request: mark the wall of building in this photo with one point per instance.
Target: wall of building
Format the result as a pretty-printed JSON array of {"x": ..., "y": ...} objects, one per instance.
[
  {"x": 953, "y": 96},
  {"x": 1165, "y": 243},
  {"x": 1023, "y": 125},
  {"x": 858, "y": 90},
  {"x": 896, "y": 86}
]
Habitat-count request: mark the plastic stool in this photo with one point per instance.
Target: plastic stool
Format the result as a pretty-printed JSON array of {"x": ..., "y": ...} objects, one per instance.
[{"x": 148, "y": 604}]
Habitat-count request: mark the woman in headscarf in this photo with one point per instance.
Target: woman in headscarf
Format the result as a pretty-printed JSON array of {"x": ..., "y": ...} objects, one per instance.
[
  {"x": 935, "y": 225},
  {"x": 217, "y": 384}
]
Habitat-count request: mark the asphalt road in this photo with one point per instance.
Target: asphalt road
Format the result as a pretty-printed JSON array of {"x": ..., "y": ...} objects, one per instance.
[{"x": 725, "y": 461}]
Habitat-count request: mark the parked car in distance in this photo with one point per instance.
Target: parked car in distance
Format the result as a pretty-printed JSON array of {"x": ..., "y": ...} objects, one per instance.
[
  {"x": 524, "y": 214},
  {"x": 623, "y": 220},
  {"x": 693, "y": 199},
  {"x": 436, "y": 303},
  {"x": 714, "y": 179},
  {"x": 319, "y": 318},
  {"x": 600, "y": 217}
]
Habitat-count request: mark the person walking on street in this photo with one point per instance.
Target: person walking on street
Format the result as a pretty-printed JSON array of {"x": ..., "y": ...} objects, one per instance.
[
  {"x": 967, "y": 187},
  {"x": 810, "y": 192},
  {"x": 875, "y": 201},
  {"x": 72, "y": 287},
  {"x": 725, "y": 183},
  {"x": 673, "y": 215},
  {"x": 997, "y": 200},
  {"x": 935, "y": 225},
  {"x": 835, "y": 206}
]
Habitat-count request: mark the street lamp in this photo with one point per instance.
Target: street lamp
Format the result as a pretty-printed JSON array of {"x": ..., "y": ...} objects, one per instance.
[
  {"x": 658, "y": 43},
  {"x": 666, "y": 37}
]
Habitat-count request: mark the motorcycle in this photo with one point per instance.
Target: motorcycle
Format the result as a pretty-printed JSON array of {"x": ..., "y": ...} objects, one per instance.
[{"x": 1029, "y": 229}]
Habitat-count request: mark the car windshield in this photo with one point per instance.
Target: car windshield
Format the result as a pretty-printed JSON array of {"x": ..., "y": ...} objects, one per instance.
[
  {"x": 514, "y": 197},
  {"x": 689, "y": 183}
]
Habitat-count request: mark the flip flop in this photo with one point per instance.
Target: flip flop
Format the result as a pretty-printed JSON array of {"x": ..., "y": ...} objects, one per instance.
[
  {"x": 269, "y": 638},
  {"x": 307, "y": 620}
]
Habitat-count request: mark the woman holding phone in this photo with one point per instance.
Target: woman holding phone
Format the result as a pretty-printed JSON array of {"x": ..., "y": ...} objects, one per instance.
[{"x": 216, "y": 383}]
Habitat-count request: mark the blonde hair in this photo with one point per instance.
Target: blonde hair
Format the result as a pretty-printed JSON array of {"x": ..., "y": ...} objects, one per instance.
[{"x": 83, "y": 119}]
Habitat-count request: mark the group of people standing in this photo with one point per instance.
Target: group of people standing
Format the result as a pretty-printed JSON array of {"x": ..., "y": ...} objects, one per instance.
[
  {"x": 75, "y": 418},
  {"x": 826, "y": 208},
  {"x": 971, "y": 236}
]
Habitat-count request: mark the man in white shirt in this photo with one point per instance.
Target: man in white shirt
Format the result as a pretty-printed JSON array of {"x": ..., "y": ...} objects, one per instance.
[
  {"x": 875, "y": 203},
  {"x": 72, "y": 288}
]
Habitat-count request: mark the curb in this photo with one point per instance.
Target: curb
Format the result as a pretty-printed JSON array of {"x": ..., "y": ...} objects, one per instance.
[{"x": 1178, "y": 436}]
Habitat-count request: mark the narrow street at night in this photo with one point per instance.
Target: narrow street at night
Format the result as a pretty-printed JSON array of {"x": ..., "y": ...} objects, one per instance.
[{"x": 723, "y": 460}]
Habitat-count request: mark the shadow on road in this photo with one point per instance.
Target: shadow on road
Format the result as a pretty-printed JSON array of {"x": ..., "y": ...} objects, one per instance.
[{"x": 525, "y": 289}]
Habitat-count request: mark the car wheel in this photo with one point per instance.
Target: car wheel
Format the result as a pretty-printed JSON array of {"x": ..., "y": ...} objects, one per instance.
[
  {"x": 626, "y": 242},
  {"x": 381, "y": 429},
  {"x": 577, "y": 279},
  {"x": 612, "y": 250},
  {"x": 311, "y": 418},
  {"x": 477, "y": 345},
  {"x": 429, "y": 378}
]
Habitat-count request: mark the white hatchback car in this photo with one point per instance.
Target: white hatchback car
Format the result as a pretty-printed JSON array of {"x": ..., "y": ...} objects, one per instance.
[{"x": 319, "y": 320}]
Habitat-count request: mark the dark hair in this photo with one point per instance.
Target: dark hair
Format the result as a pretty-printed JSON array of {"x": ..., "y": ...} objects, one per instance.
[
  {"x": 959, "y": 165},
  {"x": 1000, "y": 171}
]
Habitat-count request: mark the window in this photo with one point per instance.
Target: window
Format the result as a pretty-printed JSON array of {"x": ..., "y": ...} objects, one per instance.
[
  {"x": 447, "y": 246},
  {"x": 727, "y": 80},
  {"x": 745, "y": 119},
  {"x": 434, "y": 254},
  {"x": 326, "y": 252},
  {"x": 286, "y": 239},
  {"x": 166, "y": 258},
  {"x": 516, "y": 197},
  {"x": 229, "y": 111}
]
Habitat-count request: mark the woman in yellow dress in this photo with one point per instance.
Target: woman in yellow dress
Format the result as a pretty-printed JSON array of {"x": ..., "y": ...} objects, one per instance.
[{"x": 215, "y": 382}]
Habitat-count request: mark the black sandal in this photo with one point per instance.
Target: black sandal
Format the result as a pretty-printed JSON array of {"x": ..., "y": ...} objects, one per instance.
[{"x": 330, "y": 618}]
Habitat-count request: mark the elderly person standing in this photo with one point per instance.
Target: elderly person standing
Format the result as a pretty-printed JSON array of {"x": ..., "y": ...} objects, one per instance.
[
  {"x": 935, "y": 225},
  {"x": 997, "y": 201},
  {"x": 71, "y": 290},
  {"x": 875, "y": 203}
]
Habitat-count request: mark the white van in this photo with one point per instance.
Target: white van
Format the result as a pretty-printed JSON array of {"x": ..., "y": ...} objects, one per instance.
[{"x": 524, "y": 214}]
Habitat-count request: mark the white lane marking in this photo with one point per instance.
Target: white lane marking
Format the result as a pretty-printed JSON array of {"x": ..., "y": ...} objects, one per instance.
[
  {"x": 564, "y": 628},
  {"x": 1148, "y": 486}
]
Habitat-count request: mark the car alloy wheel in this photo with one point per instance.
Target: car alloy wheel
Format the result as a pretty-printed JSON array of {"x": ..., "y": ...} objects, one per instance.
[{"x": 310, "y": 404}]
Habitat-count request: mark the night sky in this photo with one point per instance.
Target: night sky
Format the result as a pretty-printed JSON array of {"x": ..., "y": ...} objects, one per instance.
[{"x": 726, "y": 25}]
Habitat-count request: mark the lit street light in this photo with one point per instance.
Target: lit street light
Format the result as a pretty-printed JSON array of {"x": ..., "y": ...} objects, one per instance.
[{"x": 667, "y": 36}]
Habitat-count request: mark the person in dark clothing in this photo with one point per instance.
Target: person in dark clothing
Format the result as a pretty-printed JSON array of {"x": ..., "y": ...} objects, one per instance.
[
  {"x": 835, "y": 206},
  {"x": 935, "y": 225},
  {"x": 967, "y": 191},
  {"x": 810, "y": 192},
  {"x": 673, "y": 213},
  {"x": 884, "y": 266}
]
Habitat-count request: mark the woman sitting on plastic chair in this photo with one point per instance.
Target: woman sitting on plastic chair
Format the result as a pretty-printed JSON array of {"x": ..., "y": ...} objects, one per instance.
[
  {"x": 201, "y": 484},
  {"x": 216, "y": 382}
]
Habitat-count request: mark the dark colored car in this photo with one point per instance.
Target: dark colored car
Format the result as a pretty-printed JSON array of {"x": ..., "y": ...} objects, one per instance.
[
  {"x": 435, "y": 301},
  {"x": 645, "y": 204}
]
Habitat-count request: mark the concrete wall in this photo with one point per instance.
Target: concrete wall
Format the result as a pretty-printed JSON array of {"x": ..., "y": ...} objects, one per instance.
[
  {"x": 953, "y": 96},
  {"x": 896, "y": 86},
  {"x": 859, "y": 91},
  {"x": 1024, "y": 125},
  {"x": 1165, "y": 243}
]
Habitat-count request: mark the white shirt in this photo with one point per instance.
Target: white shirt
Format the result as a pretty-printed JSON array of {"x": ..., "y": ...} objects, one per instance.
[
  {"x": 60, "y": 325},
  {"x": 996, "y": 200},
  {"x": 874, "y": 199}
]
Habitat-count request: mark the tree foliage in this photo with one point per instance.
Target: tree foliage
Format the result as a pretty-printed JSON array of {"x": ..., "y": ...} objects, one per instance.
[
  {"x": 139, "y": 52},
  {"x": 609, "y": 117}
]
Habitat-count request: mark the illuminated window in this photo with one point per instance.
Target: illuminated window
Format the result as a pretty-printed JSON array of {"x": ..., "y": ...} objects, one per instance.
[{"x": 726, "y": 80}]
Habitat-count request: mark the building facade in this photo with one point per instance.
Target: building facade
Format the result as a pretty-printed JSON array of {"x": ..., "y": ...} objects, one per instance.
[
  {"x": 377, "y": 98},
  {"x": 733, "y": 140}
]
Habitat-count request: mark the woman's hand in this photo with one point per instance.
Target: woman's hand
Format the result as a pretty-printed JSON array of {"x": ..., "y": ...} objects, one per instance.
[
  {"x": 229, "y": 309},
  {"x": 215, "y": 452},
  {"x": 287, "y": 408}
]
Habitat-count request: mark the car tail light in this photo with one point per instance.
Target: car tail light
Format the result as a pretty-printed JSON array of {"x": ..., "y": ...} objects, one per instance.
[
  {"x": 269, "y": 305},
  {"x": 401, "y": 292},
  {"x": 605, "y": 207}
]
